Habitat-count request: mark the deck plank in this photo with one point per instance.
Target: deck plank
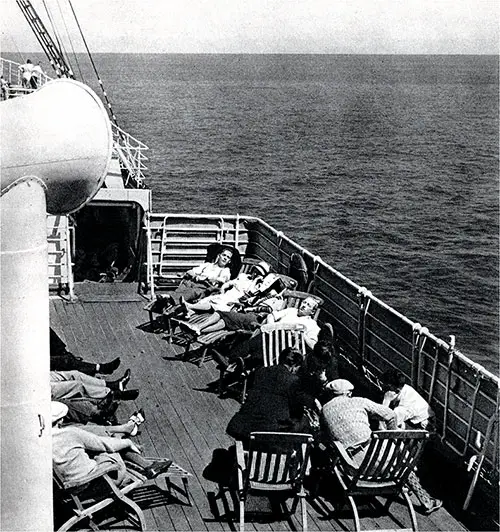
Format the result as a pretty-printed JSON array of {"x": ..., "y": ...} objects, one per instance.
[{"x": 183, "y": 420}]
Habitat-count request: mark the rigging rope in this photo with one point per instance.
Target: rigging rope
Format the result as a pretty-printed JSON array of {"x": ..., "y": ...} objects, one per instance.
[
  {"x": 112, "y": 114},
  {"x": 58, "y": 40},
  {"x": 71, "y": 43}
]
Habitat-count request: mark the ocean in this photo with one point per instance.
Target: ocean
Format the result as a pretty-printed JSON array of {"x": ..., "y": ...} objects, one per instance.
[{"x": 385, "y": 166}]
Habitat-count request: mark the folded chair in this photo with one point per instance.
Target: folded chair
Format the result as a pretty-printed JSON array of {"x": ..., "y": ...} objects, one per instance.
[
  {"x": 391, "y": 457},
  {"x": 95, "y": 493},
  {"x": 275, "y": 462}
]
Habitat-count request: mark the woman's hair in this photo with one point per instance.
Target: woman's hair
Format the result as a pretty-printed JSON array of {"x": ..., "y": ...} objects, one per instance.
[
  {"x": 393, "y": 379},
  {"x": 323, "y": 351},
  {"x": 291, "y": 357}
]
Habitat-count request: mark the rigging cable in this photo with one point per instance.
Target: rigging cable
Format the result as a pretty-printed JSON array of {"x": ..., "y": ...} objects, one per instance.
[
  {"x": 71, "y": 43},
  {"x": 111, "y": 112},
  {"x": 60, "y": 45}
]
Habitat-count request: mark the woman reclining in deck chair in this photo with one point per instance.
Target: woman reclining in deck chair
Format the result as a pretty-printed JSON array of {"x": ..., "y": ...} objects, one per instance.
[
  {"x": 244, "y": 286},
  {"x": 80, "y": 451},
  {"x": 208, "y": 276}
]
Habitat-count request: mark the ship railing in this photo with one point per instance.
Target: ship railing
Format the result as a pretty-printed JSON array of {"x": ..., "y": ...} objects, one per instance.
[
  {"x": 10, "y": 70},
  {"x": 130, "y": 153},
  {"x": 373, "y": 337}
]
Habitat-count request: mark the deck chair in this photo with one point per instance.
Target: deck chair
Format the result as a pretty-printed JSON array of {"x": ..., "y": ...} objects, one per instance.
[
  {"x": 275, "y": 338},
  {"x": 391, "y": 457},
  {"x": 95, "y": 493},
  {"x": 276, "y": 462},
  {"x": 155, "y": 306}
]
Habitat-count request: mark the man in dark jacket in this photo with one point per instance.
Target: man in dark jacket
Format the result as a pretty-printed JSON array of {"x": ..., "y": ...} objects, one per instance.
[{"x": 270, "y": 405}]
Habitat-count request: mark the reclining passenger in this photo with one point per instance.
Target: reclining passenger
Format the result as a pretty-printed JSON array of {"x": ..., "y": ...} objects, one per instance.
[
  {"x": 70, "y": 384},
  {"x": 63, "y": 360},
  {"x": 248, "y": 319},
  {"x": 203, "y": 279},
  {"x": 243, "y": 286},
  {"x": 80, "y": 451}
]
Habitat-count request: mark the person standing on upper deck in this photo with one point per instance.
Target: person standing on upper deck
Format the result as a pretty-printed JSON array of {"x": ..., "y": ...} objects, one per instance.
[
  {"x": 26, "y": 71},
  {"x": 36, "y": 76}
]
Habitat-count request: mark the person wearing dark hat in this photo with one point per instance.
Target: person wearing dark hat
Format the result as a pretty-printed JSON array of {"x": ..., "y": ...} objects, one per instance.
[
  {"x": 270, "y": 405},
  {"x": 79, "y": 452}
]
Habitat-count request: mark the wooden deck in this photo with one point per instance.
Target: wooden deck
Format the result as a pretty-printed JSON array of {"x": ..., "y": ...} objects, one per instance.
[{"x": 184, "y": 421}]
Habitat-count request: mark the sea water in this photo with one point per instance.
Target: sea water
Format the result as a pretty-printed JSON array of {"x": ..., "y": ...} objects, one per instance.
[{"x": 385, "y": 166}]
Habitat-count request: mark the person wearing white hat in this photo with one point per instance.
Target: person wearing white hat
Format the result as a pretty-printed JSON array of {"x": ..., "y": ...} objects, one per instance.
[{"x": 73, "y": 446}]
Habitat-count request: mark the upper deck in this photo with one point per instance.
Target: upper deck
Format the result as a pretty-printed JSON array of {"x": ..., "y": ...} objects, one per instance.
[{"x": 183, "y": 420}]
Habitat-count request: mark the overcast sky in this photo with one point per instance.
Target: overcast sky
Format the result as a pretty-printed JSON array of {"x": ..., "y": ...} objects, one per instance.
[{"x": 271, "y": 26}]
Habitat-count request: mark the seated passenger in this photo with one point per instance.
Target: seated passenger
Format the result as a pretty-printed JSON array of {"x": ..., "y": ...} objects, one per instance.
[
  {"x": 411, "y": 409},
  {"x": 62, "y": 360},
  {"x": 70, "y": 384},
  {"x": 247, "y": 319},
  {"x": 244, "y": 285},
  {"x": 251, "y": 349},
  {"x": 200, "y": 280},
  {"x": 270, "y": 402},
  {"x": 80, "y": 451},
  {"x": 347, "y": 419}
]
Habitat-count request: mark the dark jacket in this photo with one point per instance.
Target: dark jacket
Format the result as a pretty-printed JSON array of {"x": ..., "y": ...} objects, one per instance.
[{"x": 268, "y": 405}]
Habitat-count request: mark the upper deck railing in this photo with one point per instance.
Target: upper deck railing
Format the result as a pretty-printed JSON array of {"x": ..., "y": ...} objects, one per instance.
[{"x": 128, "y": 149}]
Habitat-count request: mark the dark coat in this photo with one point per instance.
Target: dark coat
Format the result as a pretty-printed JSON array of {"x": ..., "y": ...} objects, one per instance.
[{"x": 268, "y": 406}]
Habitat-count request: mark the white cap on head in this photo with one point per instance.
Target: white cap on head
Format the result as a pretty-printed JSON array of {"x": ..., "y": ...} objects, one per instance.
[
  {"x": 262, "y": 267},
  {"x": 58, "y": 411},
  {"x": 340, "y": 386}
]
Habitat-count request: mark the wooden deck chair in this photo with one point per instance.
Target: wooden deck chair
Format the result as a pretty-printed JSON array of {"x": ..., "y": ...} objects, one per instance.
[
  {"x": 275, "y": 338},
  {"x": 276, "y": 462},
  {"x": 391, "y": 457},
  {"x": 95, "y": 493}
]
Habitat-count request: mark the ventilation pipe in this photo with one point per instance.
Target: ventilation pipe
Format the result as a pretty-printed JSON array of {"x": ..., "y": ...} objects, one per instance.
[{"x": 55, "y": 149}]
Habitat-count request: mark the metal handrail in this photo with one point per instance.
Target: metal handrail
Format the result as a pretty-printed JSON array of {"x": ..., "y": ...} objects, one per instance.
[
  {"x": 130, "y": 152},
  {"x": 10, "y": 70}
]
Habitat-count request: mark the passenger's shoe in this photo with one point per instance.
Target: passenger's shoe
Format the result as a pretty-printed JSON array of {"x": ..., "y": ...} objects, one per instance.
[
  {"x": 157, "y": 468},
  {"x": 120, "y": 384},
  {"x": 126, "y": 395},
  {"x": 109, "y": 367},
  {"x": 436, "y": 504}
]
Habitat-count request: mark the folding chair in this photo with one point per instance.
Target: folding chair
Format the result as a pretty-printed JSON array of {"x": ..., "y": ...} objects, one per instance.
[
  {"x": 276, "y": 462},
  {"x": 390, "y": 458},
  {"x": 95, "y": 493}
]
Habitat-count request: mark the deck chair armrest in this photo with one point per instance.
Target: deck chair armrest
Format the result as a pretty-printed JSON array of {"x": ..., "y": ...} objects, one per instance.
[
  {"x": 100, "y": 471},
  {"x": 339, "y": 451},
  {"x": 241, "y": 463}
]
